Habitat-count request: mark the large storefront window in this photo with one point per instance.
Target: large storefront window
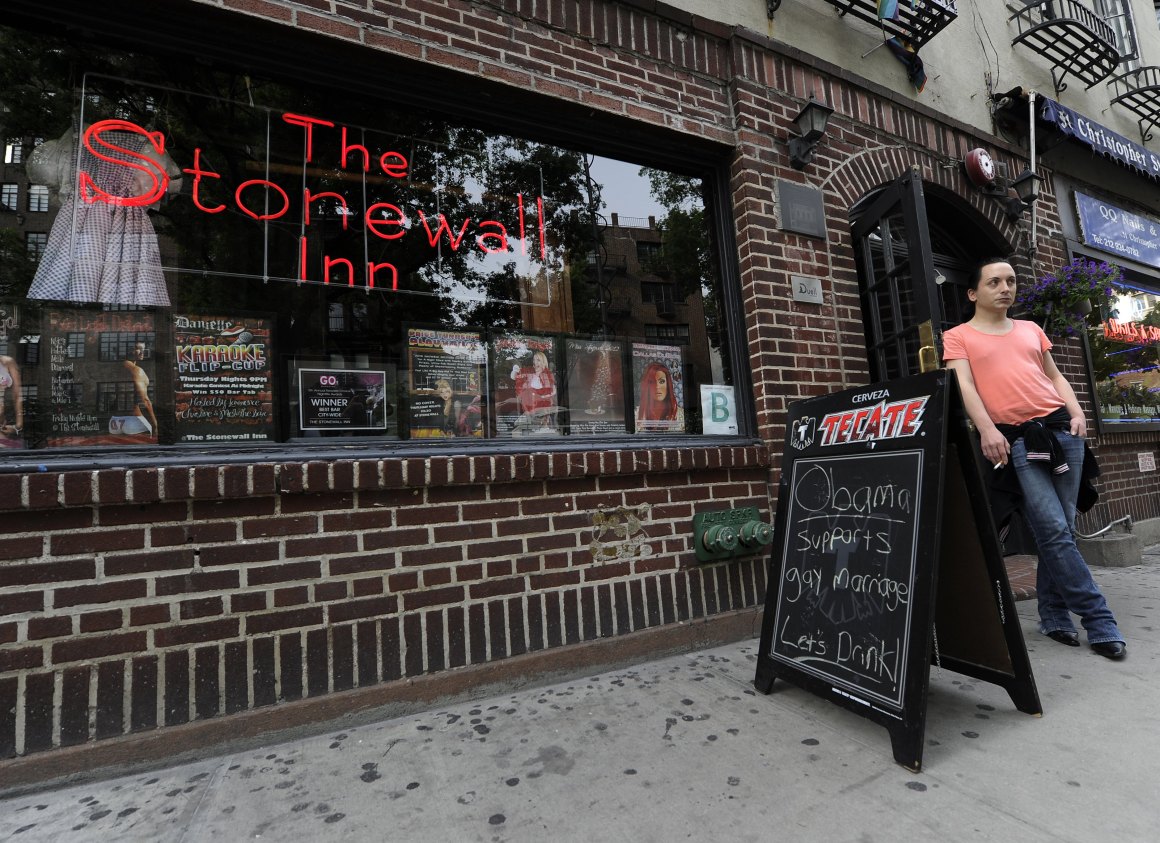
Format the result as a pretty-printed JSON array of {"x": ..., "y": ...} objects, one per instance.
[
  {"x": 1125, "y": 353},
  {"x": 229, "y": 259}
]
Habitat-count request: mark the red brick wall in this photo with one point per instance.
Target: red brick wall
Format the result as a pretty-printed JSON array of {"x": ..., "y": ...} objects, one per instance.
[{"x": 176, "y": 594}]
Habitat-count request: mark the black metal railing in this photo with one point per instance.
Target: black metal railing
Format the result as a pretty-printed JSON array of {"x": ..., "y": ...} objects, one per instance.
[
  {"x": 1139, "y": 91},
  {"x": 917, "y": 21},
  {"x": 1077, "y": 41}
]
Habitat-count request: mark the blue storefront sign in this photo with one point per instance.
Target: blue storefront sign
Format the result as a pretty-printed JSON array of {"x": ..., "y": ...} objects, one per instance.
[
  {"x": 1118, "y": 231},
  {"x": 1101, "y": 139}
]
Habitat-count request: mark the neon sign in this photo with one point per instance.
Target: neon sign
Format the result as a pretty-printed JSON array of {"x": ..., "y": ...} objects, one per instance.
[
  {"x": 93, "y": 138},
  {"x": 383, "y": 220},
  {"x": 1131, "y": 332}
]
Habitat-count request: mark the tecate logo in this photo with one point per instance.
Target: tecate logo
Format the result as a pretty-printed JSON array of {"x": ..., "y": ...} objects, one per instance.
[{"x": 894, "y": 420}]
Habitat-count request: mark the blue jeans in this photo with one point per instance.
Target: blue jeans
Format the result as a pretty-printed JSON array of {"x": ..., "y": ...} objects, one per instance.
[{"x": 1064, "y": 583}]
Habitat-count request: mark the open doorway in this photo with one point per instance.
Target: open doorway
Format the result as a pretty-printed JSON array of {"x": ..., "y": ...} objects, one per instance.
[{"x": 915, "y": 244}]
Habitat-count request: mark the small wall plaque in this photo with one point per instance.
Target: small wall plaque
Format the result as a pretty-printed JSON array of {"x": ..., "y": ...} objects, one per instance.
[
  {"x": 805, "y": 289},
  {"x": 801, "y": 209}
]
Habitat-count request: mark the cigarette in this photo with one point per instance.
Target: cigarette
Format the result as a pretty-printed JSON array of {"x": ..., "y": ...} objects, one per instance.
[{"x": 998, "y": 465}]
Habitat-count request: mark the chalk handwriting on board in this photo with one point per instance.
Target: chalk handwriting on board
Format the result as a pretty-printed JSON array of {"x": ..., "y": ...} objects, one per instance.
[{"x": 847, "y": 574}]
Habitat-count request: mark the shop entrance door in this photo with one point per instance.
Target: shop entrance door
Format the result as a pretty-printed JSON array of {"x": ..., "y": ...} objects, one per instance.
[{"x": 897, "y": 277}]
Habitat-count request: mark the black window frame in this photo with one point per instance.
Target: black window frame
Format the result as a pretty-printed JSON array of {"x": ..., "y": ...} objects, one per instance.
[
  {"x": 308, "y": 58},
  {"x": 1140, "y": 278},
  {"x": 14, "y": 150},
  {"x": 38, "y": 196},
  {"x": 35, "y": 242},
  {"x": 1110, "y": 10}
]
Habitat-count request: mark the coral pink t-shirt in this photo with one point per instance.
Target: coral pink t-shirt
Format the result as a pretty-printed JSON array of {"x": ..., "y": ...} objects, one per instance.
[{"x": 1007, "y": 370}]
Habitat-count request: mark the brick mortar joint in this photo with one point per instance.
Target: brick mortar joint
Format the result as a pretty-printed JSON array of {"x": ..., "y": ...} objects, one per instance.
[{"x": 292, "y": 478}]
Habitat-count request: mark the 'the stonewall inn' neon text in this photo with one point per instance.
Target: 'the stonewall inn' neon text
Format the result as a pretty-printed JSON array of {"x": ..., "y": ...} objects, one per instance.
[{"x": 383, "y": 220}]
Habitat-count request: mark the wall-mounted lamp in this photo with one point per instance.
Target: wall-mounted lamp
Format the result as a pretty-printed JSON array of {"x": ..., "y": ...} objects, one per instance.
[
  {"x": 811, "y": 125},
  {"x": 1026, "y": 186}
]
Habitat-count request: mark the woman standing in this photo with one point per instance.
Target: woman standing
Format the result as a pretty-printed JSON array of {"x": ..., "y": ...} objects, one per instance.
[{"x": 1029, "y": 418}]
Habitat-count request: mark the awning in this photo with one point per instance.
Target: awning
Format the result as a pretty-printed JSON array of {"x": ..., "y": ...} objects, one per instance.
[{"x": 1100, "y": 138}]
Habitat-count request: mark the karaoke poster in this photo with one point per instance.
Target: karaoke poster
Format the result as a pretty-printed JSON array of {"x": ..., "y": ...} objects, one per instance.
[{"x": 222, "y": 384}]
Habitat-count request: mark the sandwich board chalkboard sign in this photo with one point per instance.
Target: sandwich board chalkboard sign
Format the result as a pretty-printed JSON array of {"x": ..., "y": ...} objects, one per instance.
[{"x": 885, "y": 557}]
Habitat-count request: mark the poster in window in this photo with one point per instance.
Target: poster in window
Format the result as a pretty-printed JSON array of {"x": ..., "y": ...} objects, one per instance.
[
  {"x": 13, "y": 414},
  {"x": 343, "y": 399},
  {"x": 222, "y": 385},
  {"x": 595, "y": 386},
  {"x": 659, "y": 394},
  {"x": 527, "y": 402},
  {"x": 102, "y": 372},
  {"x": 447, "y": 382}
]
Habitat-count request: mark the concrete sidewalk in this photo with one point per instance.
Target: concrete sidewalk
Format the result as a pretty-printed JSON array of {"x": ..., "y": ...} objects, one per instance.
[{"x": 683, "y": 748}]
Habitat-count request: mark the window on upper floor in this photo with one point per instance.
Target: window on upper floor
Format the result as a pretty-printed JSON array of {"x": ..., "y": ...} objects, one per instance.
[
  {"x": 10, "y": 196},
  {"x": 678, "y": 334},
  {"x": 13, "y": 151},
  {"x": 647, "y": 252},
  {"x": 653, "y": 293},
  {"x": 37, "y": 242},
  {"x": 1118, "y": 14},
  {"x": 38, "y": 198}
]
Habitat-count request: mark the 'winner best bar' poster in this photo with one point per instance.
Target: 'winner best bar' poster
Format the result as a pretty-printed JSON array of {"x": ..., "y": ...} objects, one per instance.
[
  {"x": 223, "y": 382},
  {"x": 343, "y": 399}
]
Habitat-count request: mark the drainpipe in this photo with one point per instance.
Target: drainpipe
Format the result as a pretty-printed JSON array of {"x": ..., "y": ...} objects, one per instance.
[{"x": 1031, "y": 123}]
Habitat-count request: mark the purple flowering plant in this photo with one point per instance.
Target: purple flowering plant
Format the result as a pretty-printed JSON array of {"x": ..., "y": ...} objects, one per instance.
[{"x": 1060, "y": 301}]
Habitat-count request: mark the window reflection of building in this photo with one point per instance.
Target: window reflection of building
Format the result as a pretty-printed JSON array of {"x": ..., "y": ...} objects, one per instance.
[
  {"x": 114, "y": 346},
  {"x": 72, "y": 393},
  {"x": 539, "y": 277},
  {"x": 1125, "y": 354},
  {"x": 38, "y": 198},
  {"x": 116, "y": 397},
  {"x": 13, "y": 151},
  {"x": 667, "y": 334},
  {"x": 37, "y": 242},
  {"x": 75, "y": 344},
  {"x": 653, "y": 300}
]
